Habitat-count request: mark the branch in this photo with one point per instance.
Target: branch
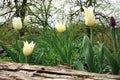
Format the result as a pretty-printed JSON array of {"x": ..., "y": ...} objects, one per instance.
[{"x": 6, "y": 13}]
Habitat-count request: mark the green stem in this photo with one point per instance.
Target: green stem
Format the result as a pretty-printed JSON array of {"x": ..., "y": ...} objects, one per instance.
[
  {"x": 91, "y": 31},
  {"x": 17, "y": 43},
  {"x": 88, "y": 31},
  {"x": 19, "y": 35},
  {"x": 114, "y": 39},
  {"x": 26, "y": 59}
]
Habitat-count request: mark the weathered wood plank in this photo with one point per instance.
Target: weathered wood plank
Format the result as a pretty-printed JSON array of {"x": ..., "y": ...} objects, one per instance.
[{"x": 18, "y": 71}]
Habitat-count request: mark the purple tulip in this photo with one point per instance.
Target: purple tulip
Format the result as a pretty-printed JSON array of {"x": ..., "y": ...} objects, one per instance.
[{"x": 112, "y": 21}]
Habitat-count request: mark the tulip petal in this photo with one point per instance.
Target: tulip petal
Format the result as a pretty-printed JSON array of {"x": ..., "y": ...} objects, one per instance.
[
  {"x": 89, "y": 16},
  {"x": 28, "y": 48},
  {"x": 17, "y": 23},
  {"x": 61, "y": 28}
]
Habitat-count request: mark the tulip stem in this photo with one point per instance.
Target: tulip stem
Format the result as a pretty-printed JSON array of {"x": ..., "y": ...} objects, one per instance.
[
  {"x": 91, "y": 31},
  {"x": 26, "y": 59},
  {"x": 19, "y": 38},
  {"x": 114, "y": 39},
  {"x": 88, "y": 32},
  {"x": 17, "y": 42}
]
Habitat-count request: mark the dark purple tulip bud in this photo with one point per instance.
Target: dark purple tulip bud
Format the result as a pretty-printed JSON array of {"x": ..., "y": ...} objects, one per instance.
[{"x": 112, "y": 21}]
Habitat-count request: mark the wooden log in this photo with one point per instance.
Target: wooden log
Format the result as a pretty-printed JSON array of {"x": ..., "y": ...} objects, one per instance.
[{"x": 19, "y": 71}]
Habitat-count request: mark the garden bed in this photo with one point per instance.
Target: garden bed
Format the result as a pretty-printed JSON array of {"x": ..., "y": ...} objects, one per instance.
[{"x": 18, "y": 71}]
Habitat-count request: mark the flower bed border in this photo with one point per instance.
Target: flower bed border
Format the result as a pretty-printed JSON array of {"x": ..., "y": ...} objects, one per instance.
[{"x": 19, "y": 71}]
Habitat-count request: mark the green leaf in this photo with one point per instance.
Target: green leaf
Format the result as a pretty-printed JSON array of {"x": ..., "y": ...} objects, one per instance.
[
  {"x": 118, "y": 58},
  {"x": 54, "y": 41},
  {"x": 13, "y": 55},
  {"x": 79, "y": 65},
  {"x": 69, "y": 41},
  {"x": 85, "y": 42},
  {"x": 100, "y": 57},
  {"x": 19, "y": 47},
  {"x": 38, "y": 59},
  {"x": 59, "y": 51},
  {"x": 114, "y": 39},
  {"x": 89, "y": 54},
  {"x": 113, "y": 63},
  {"x": 70, "y": 52},
  {"x": 22, "y": 58}
]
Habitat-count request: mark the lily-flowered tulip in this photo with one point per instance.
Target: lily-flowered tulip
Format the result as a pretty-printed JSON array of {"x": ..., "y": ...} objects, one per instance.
[
  {"x": 89, "y": 16},
  {"x": 28, "y": 48},
  {"x": 61, "y": 28},
  {"x": 17, "y": 23},
  {"x": 112, "y": 21}
]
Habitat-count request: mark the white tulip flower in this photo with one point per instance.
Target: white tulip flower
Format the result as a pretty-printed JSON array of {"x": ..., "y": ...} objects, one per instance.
[
  {"x": 28, "y": 48},
  {"x": 17, "y": 23},
  {"x": 61, "y": 28},
  {"x": 89, "y": 16}
]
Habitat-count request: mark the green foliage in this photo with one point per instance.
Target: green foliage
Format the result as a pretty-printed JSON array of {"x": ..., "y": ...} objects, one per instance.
[
  {"x": 100, "y": 57},
  {"x": 15, "y": 55},
  {"x": 7, "y": 34},
  {"x": 113, "y": 63},
  {"x": 114, "y": 39},
  {"x": 61, "y": 43},
  {"x": 79, "y": 65},
  {"x": 95, "y": 58},
  {"x": 6, "y": 59},
  {"x": 70, "y": 47},
  {"x": 89, "y": 54}
]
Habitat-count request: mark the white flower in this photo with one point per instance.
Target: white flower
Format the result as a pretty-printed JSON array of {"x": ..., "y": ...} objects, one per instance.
[
  {"x": 28, "y": 48},
  {"x": 61, "y": 28},
  {"x": 89, "y": 16},
  {"x": 17, "y": 23}
]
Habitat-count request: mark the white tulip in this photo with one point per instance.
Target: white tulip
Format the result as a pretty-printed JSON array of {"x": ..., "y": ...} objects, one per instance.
[
  {"x": 61, "y": 28},
  {"x": 17, "y": 23},
  {"x": 28, "y": 48},
  {"x": 89, "y": 16}
]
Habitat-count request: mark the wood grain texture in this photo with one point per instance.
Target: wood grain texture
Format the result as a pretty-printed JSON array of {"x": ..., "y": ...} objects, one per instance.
[{"x": 18, "y": 71}]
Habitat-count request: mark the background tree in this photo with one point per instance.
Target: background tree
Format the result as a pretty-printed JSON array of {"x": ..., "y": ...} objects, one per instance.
[{"x": 43, "y": 13}]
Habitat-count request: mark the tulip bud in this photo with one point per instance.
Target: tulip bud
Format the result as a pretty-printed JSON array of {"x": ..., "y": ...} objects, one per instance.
[
  {"x": 28, "y": 48},
  {"x": 17, "y": 23},
  {"x": 61, "y": 28},
  {"x": 89, "y": 16},
  {"x": 112, "y": 21}
]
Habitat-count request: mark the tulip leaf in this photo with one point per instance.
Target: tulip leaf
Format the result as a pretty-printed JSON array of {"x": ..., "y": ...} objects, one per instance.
[
  {"x": 18, "y": 46},
  {"x": 38, "y": 59},
  {"x": 56, "y": 44},
  {"x": 59, "y": 51},
  {"x": 100, "y": 57},
  {"x": 13, "y": 55},
  {"x": 118, "y": 58},
  {"x": 113, "y": 63},
  {"x": 71, "y": 51},
  {"x": 21, "y": 58},
  {"x": 79, "y": 65},
  {"x": 114, "y": 39},
  {"x": 89, "y": 54},
  {"x": 69, "y": 43}
]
